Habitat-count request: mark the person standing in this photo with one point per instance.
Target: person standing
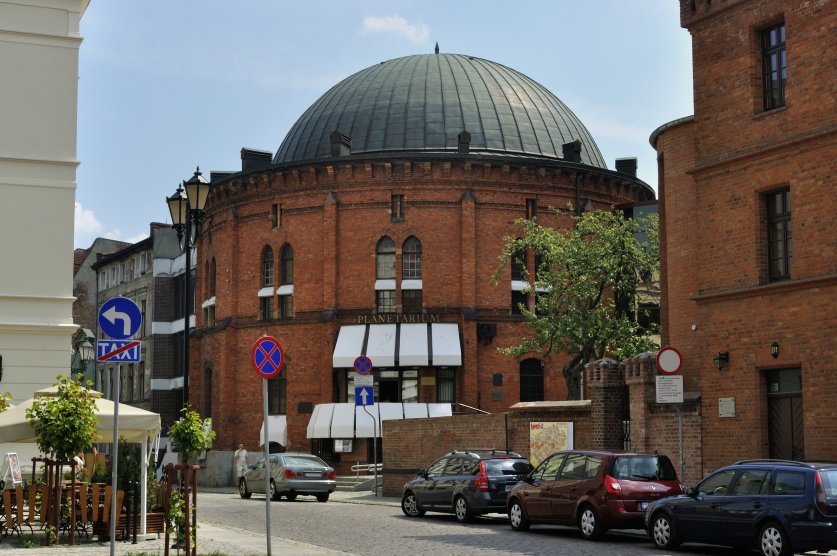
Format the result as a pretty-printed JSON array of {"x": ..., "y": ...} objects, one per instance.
[{"x": 241, "y": 460}]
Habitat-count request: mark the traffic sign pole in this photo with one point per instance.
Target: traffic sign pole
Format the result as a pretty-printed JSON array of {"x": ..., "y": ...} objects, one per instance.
[{"x": 266, "y": 464}]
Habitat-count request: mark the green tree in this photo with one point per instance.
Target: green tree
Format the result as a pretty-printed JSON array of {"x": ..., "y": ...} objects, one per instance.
[
  {"x": 586, "y": 282},
  {"x": 64, "y": 424},
  {"x": 190, "y": 435}
]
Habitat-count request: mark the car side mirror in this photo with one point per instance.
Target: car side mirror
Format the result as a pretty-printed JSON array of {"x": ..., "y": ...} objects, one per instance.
[
  {"x": 422, "y": 473},
  {"x": 691, "y": 492},
  {"x": 522, "y": 467}
]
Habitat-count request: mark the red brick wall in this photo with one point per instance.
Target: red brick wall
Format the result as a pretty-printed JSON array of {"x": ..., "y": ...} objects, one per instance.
[
  {"x": 716, "y": 293},
  {"x": 333, "y": 214},
  {"x": 413, "y": 444}
]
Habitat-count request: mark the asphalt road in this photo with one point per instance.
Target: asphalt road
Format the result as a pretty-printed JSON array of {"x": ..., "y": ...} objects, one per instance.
[{"x": 358, "y": 528}]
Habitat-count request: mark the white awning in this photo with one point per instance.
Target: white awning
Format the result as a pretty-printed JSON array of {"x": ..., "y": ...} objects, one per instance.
[
  {"x": 286, "y": 289},
  {"x": 345, "y": 420},
  {"x": 411, "y": 284},
  {"x": 412, "y": 347},
  {"x": 277, "y": 428},
  {"x": 266, "y": 291},
  {"x": 380, "y": 347},
  {"x": 399, "y": 345},
  {"x": 349, "y": 345},
  {"x": 319, "y": 426},
  {"x": 446, "y": 348}
]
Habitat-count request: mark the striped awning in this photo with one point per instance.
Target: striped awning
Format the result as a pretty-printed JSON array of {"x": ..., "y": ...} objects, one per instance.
[{"x": 399, "y": 345}]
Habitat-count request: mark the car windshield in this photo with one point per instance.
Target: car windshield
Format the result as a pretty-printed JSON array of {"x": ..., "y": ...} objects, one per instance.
[
  {"x": 502, "y": 466},
  {"x": 643, "y": 468},
  {"x": 304, "y": 461}
]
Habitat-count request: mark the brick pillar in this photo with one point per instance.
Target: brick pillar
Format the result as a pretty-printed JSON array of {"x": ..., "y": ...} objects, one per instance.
[
  {"x": 640, "y": 371},
  {"x": 330, "y": 251},
  {"x": 608, "y": 398},
  {"x": 471, "y": 393}
]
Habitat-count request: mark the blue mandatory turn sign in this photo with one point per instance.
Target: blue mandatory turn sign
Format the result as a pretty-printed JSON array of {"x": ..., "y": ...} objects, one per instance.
[
  {"x": 119, "y": 318},
  {"x": 364, "y": 395}
]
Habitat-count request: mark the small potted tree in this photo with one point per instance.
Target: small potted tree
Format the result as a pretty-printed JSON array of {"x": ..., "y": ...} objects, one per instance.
[
  {"x": 192, "y": 436},
  {"x": 64, "y": 425}
]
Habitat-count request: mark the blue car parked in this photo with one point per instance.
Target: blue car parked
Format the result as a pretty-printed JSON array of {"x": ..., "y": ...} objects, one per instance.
[{"x": 777, "y": 506}]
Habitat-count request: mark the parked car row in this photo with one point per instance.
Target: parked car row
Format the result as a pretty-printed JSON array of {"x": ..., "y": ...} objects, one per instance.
[{"x": 775, "y": 506}]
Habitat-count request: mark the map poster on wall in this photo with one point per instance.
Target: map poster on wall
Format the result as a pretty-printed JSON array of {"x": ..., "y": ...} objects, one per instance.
[{"x": 548, "y": 437}]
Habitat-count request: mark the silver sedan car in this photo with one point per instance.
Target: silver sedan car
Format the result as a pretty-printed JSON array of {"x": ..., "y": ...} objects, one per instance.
[{"x": 291, "y": 475}]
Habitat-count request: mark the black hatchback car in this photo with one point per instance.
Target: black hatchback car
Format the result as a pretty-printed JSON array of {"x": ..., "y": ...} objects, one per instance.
[
  {"x": 466, "y": 483},
  {"x": 777, "y": 506}
]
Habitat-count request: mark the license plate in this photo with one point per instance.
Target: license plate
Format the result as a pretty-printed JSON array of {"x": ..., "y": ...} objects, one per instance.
[
  {"x": 643, "y": 505},
  {"x": 312, "y": 475}
]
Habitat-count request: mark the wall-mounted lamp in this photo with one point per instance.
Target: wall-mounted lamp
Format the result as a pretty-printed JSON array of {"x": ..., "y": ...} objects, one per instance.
[
  {"x": 774, "y": 349},
  {"x": 721, "y": 360}
]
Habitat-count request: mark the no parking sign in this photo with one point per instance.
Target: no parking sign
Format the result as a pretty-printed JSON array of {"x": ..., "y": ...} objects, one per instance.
[{"x": 267, "y": 357}]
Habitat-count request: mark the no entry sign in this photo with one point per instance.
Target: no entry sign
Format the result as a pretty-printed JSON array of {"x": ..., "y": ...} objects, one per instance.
[
  {"x": 669, "y": 360},
  {"x": 267, "y": 356}
]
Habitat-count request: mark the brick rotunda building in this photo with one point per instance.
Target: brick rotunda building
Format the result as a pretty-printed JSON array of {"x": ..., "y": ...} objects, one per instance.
[{"x": 374, "y": 230}]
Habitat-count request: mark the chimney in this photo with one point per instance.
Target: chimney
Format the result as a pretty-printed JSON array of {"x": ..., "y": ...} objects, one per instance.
[
  {"x": 464, "y": 142},
  {"x": 341, "y": 145},
  {"x": 252, "y": 159},
  {"x": 572, "y": 151},
  {"x": 626, "y": 166}
]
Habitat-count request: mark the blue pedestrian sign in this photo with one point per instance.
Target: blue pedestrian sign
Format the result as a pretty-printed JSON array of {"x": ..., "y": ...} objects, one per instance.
[
  {"x": 119, "y": 318},
  {"x": 364, "y": 395}
]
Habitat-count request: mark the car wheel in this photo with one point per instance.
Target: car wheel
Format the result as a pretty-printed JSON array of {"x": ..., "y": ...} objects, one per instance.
[
  {"x": 773, "y": 541},
  {"x": 242, "y": 489},
  {"x": 461, "y": 510},
  {"x": 290, "y": 497},
  {"x": 322, "y": 497},
  {"x": 589, "y": 524},
  {"x": 517, "y": 518},
  {"x": 409, "y": 505},
  {"x": 273, "y": 494},
  {"x": 662, "y": 532}
]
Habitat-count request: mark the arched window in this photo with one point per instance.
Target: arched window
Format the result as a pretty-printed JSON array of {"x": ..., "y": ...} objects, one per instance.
[
  {"x": 266, "y": 293},
  {"x": 267, "y": 266},
  {"x": 207, "y": 392},
  {"x": 531, "y": 380},
  {"x": 286, "y": 279},
  {"x": 385, "y": 258},
  {"x": 287, "y": 261},
  {"x": 385, "y": 274},
  {"x": 212, "y": 278},
  {"x": 411, "y": 259}
]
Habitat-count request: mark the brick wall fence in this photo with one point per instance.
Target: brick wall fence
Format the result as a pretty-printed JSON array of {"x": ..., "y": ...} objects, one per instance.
[{"x": 412, "y": 444}]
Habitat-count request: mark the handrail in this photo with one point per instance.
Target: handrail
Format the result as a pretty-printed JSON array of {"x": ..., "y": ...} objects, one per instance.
[
  {"x": 367, "y": 467},
  {"x": 471, "y": 408}
]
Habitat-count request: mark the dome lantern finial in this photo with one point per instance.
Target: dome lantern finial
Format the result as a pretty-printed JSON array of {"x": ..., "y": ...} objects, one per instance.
[{"x": 437, "y": 48}]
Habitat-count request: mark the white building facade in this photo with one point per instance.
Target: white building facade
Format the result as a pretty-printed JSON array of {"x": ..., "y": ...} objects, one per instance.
[{"x": 39, "y": 52}]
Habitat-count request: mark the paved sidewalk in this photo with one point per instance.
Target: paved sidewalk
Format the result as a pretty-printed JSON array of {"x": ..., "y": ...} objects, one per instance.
[{"x": 212, "y": 537}]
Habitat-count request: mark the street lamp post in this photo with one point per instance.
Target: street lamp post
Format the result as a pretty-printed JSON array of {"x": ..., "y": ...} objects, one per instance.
[
  {"x": 187, "y": 211},
  {"x": 83, "y": 353}
]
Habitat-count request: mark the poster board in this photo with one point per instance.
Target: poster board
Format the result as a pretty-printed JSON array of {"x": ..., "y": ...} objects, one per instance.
[
  {"x": 548, "y": 437},
  {"x": 14, "y": 468}
]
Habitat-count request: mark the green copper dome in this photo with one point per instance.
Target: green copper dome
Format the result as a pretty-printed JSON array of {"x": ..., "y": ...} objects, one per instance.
[{"x": 421, "y": 103}]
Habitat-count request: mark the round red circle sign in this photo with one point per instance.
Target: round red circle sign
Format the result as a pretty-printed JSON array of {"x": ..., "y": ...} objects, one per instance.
[
  {"x": 669, "y": 360},
  {"x": 267, "y": 356}
]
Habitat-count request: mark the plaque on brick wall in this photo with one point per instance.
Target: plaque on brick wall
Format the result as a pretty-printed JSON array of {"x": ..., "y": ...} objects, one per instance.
[{"x": 726, "y": 407}]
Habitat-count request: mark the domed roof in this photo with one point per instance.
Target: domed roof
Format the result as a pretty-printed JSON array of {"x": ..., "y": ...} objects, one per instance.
[{"x": 422, "y": 103}]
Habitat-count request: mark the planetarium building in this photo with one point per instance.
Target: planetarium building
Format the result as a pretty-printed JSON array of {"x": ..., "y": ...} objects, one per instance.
[{"x": 374, "y": 230}]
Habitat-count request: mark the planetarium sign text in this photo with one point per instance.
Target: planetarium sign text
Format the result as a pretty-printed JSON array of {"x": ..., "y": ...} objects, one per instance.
[{"x": 394, "y": 318}]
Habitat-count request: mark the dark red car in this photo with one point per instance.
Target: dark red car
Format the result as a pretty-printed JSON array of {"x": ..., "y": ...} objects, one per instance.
[{"x": 595, "y": 490}]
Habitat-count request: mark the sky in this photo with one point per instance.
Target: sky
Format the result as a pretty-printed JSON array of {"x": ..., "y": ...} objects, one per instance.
[{"x": 166, "y": 86}]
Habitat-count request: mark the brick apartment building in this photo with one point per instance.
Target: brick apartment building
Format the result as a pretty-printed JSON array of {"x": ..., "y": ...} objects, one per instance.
[
  {"x": 749, "y": 249},
  {"x": 374, "y": 230}
]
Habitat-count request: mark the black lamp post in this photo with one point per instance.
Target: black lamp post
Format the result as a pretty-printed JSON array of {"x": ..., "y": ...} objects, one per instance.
[{"x": 186, "y": 215}]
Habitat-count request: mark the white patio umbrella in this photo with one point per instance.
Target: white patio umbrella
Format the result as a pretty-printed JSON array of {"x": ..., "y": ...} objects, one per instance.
[{"x": 135, "y": 425}]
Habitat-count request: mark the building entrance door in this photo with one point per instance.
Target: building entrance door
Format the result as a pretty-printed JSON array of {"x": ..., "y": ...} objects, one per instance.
[{"x": 785, "y": 418}]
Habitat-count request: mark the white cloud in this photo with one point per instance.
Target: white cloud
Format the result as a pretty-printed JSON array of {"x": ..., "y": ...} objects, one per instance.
[
  {"x": 85, "y": 221},
  {"x": 413, "y": 32}
]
